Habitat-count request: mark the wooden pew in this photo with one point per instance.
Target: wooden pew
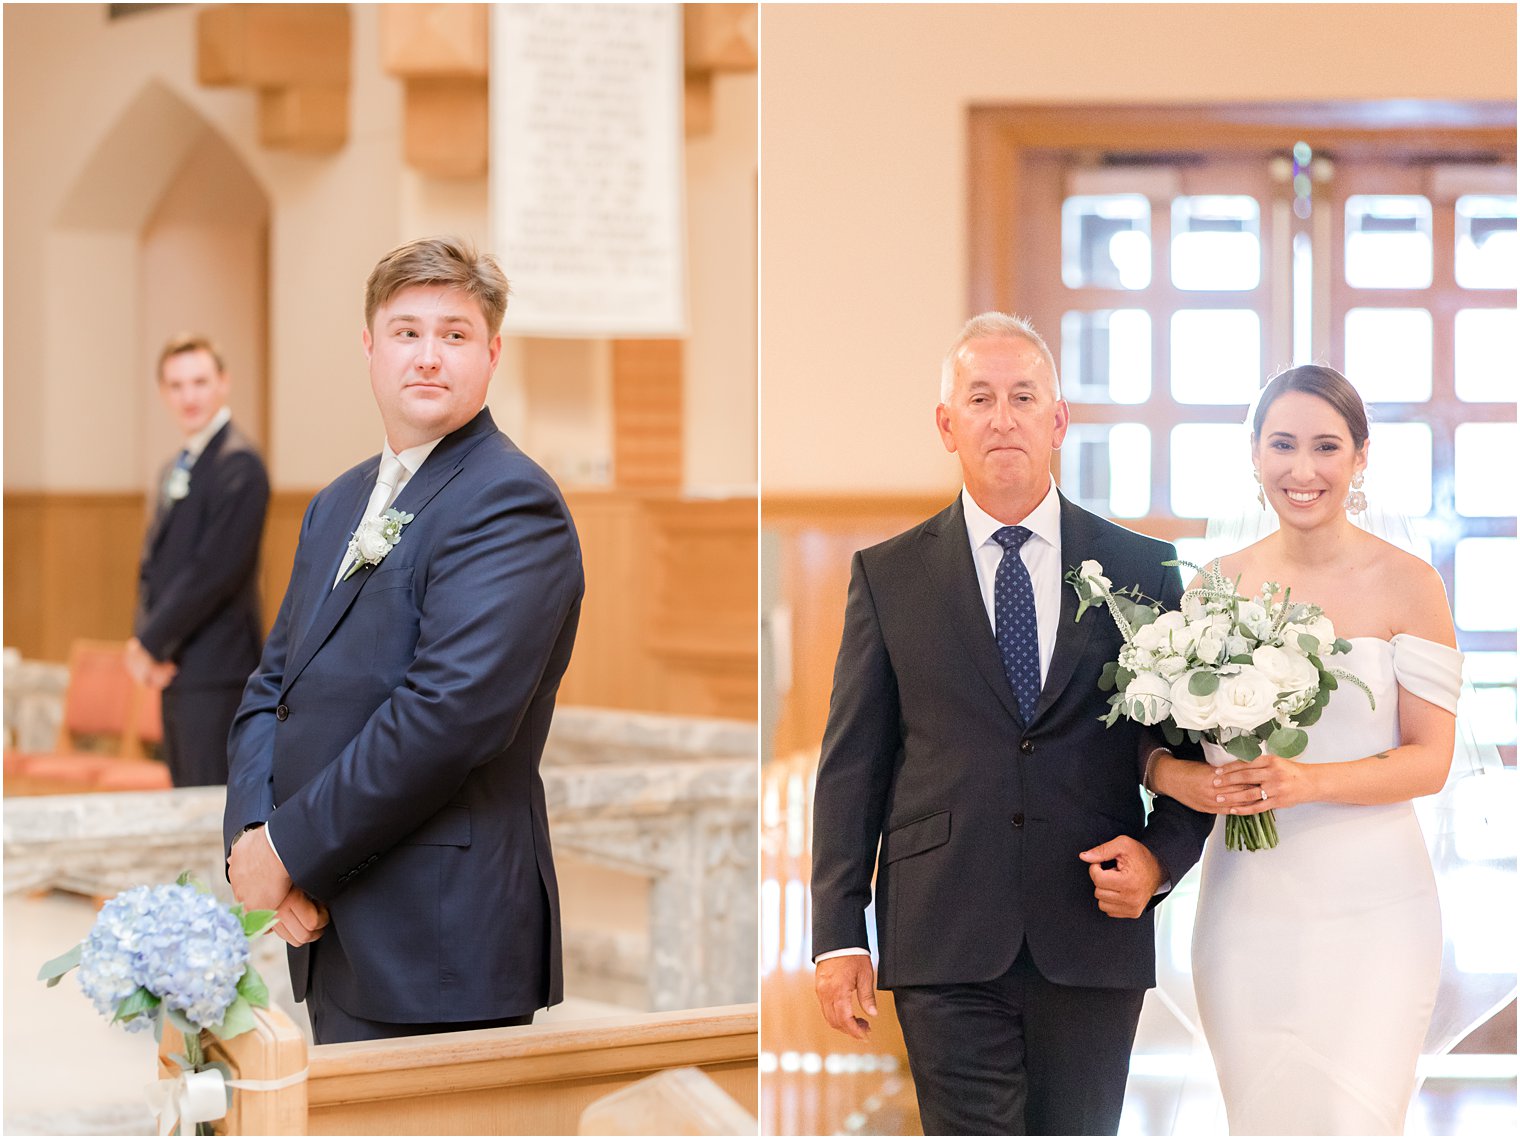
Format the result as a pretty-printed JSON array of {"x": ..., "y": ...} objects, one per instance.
[{"x": 534, "y": 1080}]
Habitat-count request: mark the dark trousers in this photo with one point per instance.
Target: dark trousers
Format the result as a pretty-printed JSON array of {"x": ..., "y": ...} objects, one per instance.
[
  {"x": 196, "y": 723},
  {"x": 1018, "y": 1055},
  {"x": 332, "y": 1024}
]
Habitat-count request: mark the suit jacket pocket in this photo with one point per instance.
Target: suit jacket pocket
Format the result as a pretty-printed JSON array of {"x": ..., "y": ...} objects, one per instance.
[
  {"x": 449, "y": 827},
  {"x": 388, "y": 577},
  {"x": 917, "y": 836}
]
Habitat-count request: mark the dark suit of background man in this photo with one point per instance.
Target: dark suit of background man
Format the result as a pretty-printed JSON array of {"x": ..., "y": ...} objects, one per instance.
[
  {"x": 1017, "y": 868},
  {"x": 197, "y": 630},
  {"x": 386, "y": 752}
]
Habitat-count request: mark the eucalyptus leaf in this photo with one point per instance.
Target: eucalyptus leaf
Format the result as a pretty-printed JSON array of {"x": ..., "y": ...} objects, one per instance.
[
  {"x": 1309, "y": 643},
  {"x": 1106, "y": 679},
  {"x": 1310, "y": 715},
  {"x": 1203, "y": 683},
  {"x": 1123, "y": 677},
  {"x": 1172, "y": 732},
  {"x": 1287, "y": 742},
  {"x": 1244, "y": 748},
  {"x": 52, "y": 972},
  {"x": 1327, "y": 682},
  {"x": 1241, "y": 658},
  {"x": 1342, "y": 645}
]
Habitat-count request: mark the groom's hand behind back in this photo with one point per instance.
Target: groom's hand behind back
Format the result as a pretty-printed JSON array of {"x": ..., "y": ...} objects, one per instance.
[
  {"x": 839, "y": 982},
  {"x": 1125, "y": 889}
]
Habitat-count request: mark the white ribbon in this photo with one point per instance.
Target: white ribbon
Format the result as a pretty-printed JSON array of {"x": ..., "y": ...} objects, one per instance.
[{"x": 200, "y": 1097}]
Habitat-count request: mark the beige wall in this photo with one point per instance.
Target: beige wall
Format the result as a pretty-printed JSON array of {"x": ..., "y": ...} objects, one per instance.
[
  {"x": 101, "y": 117},
  {"x": 864, "y": 143}
]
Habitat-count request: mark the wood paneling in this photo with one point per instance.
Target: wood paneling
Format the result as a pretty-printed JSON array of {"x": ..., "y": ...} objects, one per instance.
[
  {"x": 819, "y": 536},
  {"x": 646, "y": 414},
  {"x": 441, "y": 54},
  {"x": 668, "y": 624}
]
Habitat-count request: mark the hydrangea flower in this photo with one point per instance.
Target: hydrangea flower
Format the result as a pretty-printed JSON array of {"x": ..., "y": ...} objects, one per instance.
[{"x": 183, "y": 946}]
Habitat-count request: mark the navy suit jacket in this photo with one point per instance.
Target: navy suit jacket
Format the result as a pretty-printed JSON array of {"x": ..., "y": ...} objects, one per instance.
[
  {"x": 979, "y": 817},
  {"x": 198, "y": 588},
  {"x": 392, "y": 734}
]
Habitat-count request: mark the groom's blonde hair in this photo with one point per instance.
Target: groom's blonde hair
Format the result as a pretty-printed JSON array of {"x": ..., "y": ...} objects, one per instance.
[{"x": 447, "y": 261}]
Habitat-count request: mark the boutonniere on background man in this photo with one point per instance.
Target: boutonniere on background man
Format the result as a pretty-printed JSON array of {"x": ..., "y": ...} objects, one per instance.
[
  {"x": 375, "y": 538},
  {"x": 177, "y": 485},
  {"x": 1237, "y": 674},
  {"x": 176, "y": 953}
]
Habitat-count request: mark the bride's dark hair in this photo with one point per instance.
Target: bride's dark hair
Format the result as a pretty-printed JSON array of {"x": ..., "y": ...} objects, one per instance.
[{"x": 1318, "y": 380}]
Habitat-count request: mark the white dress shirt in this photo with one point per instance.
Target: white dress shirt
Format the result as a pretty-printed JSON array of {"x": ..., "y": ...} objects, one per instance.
[
  {"x": 1042, "y": 558},
  {"x": 195, "y": 444}
]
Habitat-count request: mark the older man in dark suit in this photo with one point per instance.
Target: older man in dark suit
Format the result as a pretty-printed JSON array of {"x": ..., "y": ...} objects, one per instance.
[
  {"x": 1017, "y": 867},
  {"x": 197, "y": 630},
  {"x": 384, "y": 793}
]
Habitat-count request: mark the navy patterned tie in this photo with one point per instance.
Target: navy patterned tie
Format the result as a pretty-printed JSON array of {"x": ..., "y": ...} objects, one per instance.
[{"x": 1018, "y": 636}]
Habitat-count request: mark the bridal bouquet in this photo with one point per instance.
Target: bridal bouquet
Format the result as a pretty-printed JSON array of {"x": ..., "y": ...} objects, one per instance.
[
  {"x": 1243, "y": 673},
  {"x": 173, "y": 952}
]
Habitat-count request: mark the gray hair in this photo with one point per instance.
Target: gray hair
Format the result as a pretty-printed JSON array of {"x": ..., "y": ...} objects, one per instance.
[{"x": 993, "y": 326}]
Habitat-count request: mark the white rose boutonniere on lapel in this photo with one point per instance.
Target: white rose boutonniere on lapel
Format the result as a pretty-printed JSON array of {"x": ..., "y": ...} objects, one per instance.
[
  {"x": 177, "y": 485},
  {"x": 375, "y": 538}
]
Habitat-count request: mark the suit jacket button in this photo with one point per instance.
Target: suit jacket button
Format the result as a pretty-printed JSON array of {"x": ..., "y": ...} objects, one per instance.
[
  {"x": 282, "y": 713},
  {"x": 1025, "y": 746},
  {"x": 1018, "y": 820}
]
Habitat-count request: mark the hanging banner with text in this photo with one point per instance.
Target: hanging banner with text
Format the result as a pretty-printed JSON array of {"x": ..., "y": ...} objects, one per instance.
[{"x": 587, "y": 181}]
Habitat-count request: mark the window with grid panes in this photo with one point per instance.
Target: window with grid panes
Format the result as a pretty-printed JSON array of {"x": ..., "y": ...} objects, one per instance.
[{"x": 1172, "y": 285}]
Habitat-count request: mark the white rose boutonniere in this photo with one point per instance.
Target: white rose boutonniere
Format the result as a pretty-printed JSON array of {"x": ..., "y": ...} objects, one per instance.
[
  {"x": 375, "y": 538},
  {"x": 177, "y": 485}
]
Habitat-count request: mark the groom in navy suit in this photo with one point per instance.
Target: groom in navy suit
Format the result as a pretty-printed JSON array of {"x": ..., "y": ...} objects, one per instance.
[
  {"x": 964, "y": 763},
  {"x": 384, "y": 793}
]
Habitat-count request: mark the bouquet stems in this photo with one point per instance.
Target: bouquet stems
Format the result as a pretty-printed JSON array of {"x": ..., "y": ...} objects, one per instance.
[{"x": 1250, "y": 832}]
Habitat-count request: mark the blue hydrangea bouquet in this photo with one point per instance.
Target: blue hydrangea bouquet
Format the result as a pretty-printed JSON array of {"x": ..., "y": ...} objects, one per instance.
[{"x": 172, "y": 952}]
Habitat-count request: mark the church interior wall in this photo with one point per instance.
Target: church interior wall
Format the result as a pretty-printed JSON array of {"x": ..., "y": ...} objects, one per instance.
[{"x": 865, "y": 212}]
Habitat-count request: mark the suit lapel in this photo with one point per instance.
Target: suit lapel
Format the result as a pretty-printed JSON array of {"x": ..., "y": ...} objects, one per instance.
[
  {"x": 164, "y": 510},
  {"x": 946, "y": 552},
  {"x": 1078, "y": 539},
  {"x": 441, "y": 466}
]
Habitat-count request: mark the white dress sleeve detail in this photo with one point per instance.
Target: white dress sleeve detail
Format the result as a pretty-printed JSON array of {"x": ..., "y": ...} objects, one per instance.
[{"x": 1428, "y": 670}]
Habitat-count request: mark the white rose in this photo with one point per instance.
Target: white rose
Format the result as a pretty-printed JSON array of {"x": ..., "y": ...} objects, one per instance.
[
  {"x": 1193, "y": 607},
  {"x": 1171, "y": 666},
  {"x": 1189, "y": 711},
  {"x": 1092, "y": 573},
  {"x": 1290, "y": 671},
  {"x": 1235, "y": 645},
  {"x": 1148, "y": 698},
  {"x": 1211, "y": 636},
  {"x": 1319, "y": 628},
  {"x": 1245, "y": 700},
  {"x": 1149, "y": 638},
  {"x": 371, "y": 543},
  {"x": 1256, "y": 619}
]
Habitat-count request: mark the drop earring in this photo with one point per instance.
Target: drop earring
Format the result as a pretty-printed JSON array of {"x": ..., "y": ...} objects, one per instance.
[
  {"x": 1261, "y": 491},
  {"x": 1356, "y": 501}
]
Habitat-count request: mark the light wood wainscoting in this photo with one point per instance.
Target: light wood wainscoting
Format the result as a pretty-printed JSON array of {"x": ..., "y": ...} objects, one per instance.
[
  {"x": 819, "y": 535},
  {"x": 668, "y": 624}
]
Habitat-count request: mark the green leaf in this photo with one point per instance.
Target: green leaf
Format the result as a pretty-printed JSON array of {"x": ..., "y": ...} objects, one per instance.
[
  {"x": 1241, "y": 658},
  {"x": 138, "y": 1001},
  {"x": 1106, "y": 680},
  {"x": 1203, "y": 684},
  {"x": 239, "y": 1019},
  {"x": 1310, "y": 715},
  {"x": 1172, "y": 733},
  {"x": 1287, "y": 742},
  {"x": 1244, "y": 748},
  {"x": 1328, "y": 683},
  {"x": 257, "y": 922},
  {"x": 1123, "y": 677},
  {"x": 53, "y": 971},
  {"x": 181, "y": 1021},
  {"x": 1309, "y": 643},
  {"x": 251, "y": 988},
  {"x": 1342, "y": 645}
]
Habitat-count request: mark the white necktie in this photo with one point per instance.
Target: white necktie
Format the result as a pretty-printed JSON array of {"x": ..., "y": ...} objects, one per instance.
[{"x": 391, "y": 472}]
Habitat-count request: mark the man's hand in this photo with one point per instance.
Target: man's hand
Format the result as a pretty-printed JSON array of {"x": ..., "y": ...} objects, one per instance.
[
  {"x": 151, "y": 673},
  {"x": 300, "y": 920},
  {"x": 839, "y": 982},
  {"x": 1128, "y": 888},
  {"x": 257, "y": 875}
]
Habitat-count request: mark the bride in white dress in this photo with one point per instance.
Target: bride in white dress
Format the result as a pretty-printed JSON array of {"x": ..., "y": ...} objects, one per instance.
[{"x": 1316, "y": 963}]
